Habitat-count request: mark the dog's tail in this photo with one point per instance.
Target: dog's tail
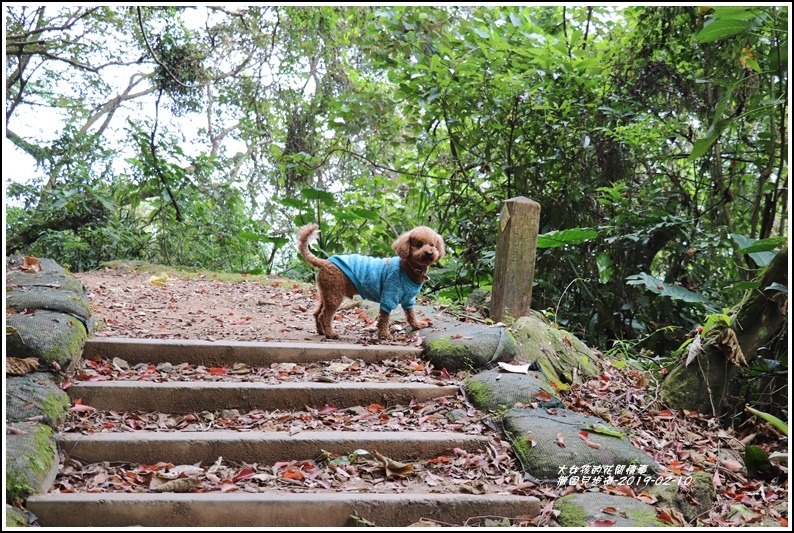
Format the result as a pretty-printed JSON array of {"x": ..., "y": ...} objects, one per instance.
[{"x": 306, "y": 235}]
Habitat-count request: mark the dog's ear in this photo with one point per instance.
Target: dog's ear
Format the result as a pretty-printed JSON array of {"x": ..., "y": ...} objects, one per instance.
[
  {"x": 440, "y": 246},
  {"x": 403, "y": 244}
]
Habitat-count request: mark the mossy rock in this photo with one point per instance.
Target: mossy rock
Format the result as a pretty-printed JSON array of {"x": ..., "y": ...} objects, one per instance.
[
  {"x": 34, "y": 394},
  {"x": 585, "y": 510},
  {"x": 498, "y": 391},
  {"x": 16, "y": 517},
  {"x": 47, "y": 335},
  {"x": 31, "y": 460},
  {"x": 469, "y": 347},
  {"x": 556, "y": 352},
  {"x": 688, "y": 389},
  {"x": 675, "y": 493},
  {"x": 535, "y": 435}
]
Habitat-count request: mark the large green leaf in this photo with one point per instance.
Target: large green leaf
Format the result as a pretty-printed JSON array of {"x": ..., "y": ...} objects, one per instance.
[
  {"x": 661, "y": 288},
  {"x": 720, "y": 29},
  {"x": 310, "y": 193},
  {"x": 747, "y": 245},
  {"x": 571, "y": 236}
]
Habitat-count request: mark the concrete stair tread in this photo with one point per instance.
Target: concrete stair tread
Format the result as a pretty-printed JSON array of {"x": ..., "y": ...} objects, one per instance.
[
  {"x": 224, "y": 352},
  {"x": 263, "y": 447},
  {"x": 314, "y": 509},
  {"x": 191, "y": 396},
  {"x": 258, "y": 504}
]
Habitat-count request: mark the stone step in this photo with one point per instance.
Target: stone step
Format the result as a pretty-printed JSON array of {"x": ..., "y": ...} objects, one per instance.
[
  {"x": 179, "y": 447},
  {"x": 209, "y": 353},
  {"x": 316, "y": 509},
  {"x": 269, "y": 506},
  {"x": 191, "y": 396}
]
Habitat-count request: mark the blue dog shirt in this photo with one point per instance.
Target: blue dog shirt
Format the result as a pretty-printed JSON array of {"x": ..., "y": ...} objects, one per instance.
[{"x": 379, "y": 280}]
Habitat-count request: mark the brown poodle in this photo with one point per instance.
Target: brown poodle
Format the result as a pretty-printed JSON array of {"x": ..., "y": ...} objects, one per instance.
[{"x": 388, "y": 281}]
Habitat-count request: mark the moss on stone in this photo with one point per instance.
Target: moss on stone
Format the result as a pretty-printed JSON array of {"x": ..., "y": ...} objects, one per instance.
[
  {"x": 55, "y": 407},
  {"x": 61, "y": 351},
  {"x": 571, "y": 514},
  {"x": 447, "y": 353},
  {"x": 34, "y": 464},
  {"x": 522, "y": 446},
  {"x": 645, "y": 517},
  {"x": 15, "y": 517},
  {"x": 477, "y": 392}
]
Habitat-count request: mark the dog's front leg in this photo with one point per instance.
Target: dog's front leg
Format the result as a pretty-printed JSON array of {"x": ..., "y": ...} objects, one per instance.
[
  {"x": 410, "y": 317},
  {"x": 383, "y": 326}
]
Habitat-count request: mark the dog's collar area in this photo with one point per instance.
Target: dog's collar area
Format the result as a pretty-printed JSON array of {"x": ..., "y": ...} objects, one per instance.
[
  {"x": 422, "y": 274},
  {"x": 417, "y": 274}
]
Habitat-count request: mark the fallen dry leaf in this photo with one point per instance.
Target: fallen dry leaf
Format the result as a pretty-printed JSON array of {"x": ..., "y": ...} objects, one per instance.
[
  {"x": 20, "y": 367},
  {"x": 184, "y": 484},
  {"x": 394, "y": 468}
]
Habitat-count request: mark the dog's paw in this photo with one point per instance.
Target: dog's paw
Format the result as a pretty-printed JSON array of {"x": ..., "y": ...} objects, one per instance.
[{"x": 421, "y": 324}]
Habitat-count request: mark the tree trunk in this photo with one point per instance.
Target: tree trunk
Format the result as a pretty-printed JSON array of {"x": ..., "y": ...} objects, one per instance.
[{"x": 704, "y": 384}]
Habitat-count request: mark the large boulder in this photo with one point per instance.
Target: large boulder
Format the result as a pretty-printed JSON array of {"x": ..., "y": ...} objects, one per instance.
[{"x": 562, "y": 357}]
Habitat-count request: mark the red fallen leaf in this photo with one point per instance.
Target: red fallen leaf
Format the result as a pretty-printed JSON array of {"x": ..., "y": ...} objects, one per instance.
[
  {"x": 66, "y": 383},
  {"x": 445, "y": 374},
  {"x": 560, "y": 440},
  {"x": 584, "y": 434},
  {"x": 218, "y": 371},
  {"x": 592, "y": 444},
  {"x": 664, "y": 413},
  {"x": 601, "y": 523},
  {"x": 30, "y": 265},
  {"x": 311, "y": 471},
  {"x": 244, "y": 473},
  {"x": 228, "y": 486},
  {"x": 647, "y": 497},
  {"x": 627, "y": 490},
  {"x": 439, "y": 459},
  {"x": 566, "y": 341},
  {"x": 425, "y": 418},
  {"x": 662, "y": 516},
  {"x": 190, "y": 417},
  {"x": 328, "y": 409},
  {"x": 783, "y": 522},
  {"x": 374, "y": 408},
  {"x": 293, "y": 473},
  {"x": 416, "y": 366},
  {"x": 543, "y": 396}
]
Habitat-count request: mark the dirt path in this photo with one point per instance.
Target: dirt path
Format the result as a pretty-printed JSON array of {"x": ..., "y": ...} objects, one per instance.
[{"x": 247, "y": 308}]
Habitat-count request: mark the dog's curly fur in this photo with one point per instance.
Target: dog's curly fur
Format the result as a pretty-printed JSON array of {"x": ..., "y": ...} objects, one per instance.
[{"x": 417, "y": 249}]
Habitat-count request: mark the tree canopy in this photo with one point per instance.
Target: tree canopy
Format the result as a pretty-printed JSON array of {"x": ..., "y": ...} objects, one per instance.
[{"x": 654, "y": 138}]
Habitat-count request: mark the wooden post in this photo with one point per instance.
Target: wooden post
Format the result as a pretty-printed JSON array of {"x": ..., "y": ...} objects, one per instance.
[{"x": 516, "y": 249}]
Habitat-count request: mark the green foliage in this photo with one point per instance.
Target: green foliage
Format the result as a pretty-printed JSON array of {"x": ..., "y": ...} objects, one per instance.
[{"x": 653, "y": 137}]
